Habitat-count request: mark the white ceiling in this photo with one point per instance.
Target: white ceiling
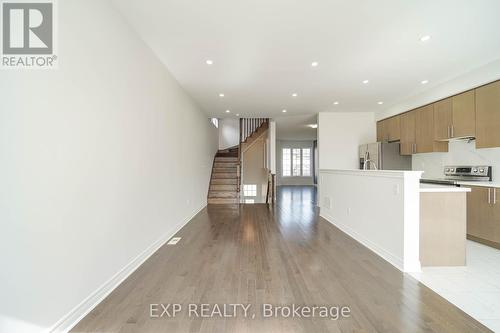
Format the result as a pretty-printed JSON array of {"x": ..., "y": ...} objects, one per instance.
[
  {"x": 296, "y": 127},
  {"x": 262, "y": 49}
]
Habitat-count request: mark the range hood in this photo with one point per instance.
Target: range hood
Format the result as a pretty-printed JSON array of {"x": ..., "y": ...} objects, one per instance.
[{"x": 468, "y": 138}]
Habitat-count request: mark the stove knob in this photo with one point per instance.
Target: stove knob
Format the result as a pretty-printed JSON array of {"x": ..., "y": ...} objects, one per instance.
[
  {"x": 452, "y": 170},
  {"x": 474, "y": 170},
  {"x": 447, "y": 169},
  {"x": 481, "y": 170}
]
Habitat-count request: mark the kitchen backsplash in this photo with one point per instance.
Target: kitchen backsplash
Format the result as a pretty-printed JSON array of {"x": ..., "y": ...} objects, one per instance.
[{"x": 460, "y": 153}]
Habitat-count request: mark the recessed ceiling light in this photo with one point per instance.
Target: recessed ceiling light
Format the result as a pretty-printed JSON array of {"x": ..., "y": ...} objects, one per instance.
[
  {"x": 336, "y": 103},
  {"x": 424, "y": 81},
  {"x": 221, "y": 95},
  {"x": 294, "y": 95},
  {"x": 237, "y": 115},
  {"x": 425, "y": 38},
  {"x": 380, "y": 103},
  {"x": 209, "y": 62},
  {"x": 227, "y": 111},
  {"x": 365, "y": 81},
  {"x": 284, "y": 111},
  {"x": 313, "y": 125},
  {"x": 314, "y": 64}
]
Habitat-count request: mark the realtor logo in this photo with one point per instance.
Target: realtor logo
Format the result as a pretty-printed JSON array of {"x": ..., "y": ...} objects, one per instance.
[{"x": 28, "y": 34}]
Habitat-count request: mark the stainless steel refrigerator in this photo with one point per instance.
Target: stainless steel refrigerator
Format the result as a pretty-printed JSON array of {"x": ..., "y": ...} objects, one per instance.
[{"x": 383, "y": 156}]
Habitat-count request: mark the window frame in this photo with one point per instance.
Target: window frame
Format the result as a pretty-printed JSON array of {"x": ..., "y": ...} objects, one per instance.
[{"x": 290, "y": 163}]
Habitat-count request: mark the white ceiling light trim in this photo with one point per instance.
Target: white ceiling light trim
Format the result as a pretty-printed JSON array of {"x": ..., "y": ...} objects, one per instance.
[
  {"x": 425, "y": 38},
  {"x": 209, "y": 62}
]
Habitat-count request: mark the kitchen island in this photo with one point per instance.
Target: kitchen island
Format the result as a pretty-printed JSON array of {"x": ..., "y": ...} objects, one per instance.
[
  {"x": 443, "y": 225},
  {"x": 408, "y": 224}
]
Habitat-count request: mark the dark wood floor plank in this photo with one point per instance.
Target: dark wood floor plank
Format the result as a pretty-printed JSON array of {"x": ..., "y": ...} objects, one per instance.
[{"x": 285, "y": 254}]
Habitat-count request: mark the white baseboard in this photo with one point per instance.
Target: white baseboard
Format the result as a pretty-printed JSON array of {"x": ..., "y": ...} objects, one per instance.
[
  {"x": 72, "y": 318},
  {"x": 381, "y": 252}
]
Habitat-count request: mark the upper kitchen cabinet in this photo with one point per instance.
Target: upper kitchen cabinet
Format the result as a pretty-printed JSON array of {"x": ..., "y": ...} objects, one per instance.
[
  {"x": 464, "y": 115},
  {"x": 443, "y": 118},
  {"x": 382, "y": 133},
  {"x": 488, "y": 116},
  {"x": 455, "y": 117},
  {"x": 424, "y": 132},
  {"x": 407, "y": 142},
  {"x": 389, "y": 129}
]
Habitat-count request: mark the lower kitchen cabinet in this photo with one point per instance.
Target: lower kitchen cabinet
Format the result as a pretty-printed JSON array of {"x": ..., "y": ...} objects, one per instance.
[{"x": 483, "y": 215}]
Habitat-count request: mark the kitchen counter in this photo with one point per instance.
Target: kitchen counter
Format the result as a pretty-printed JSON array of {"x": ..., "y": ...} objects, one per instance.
[
  {"x": 426, "y": 188},
  {"x": 482, "y": 184}
]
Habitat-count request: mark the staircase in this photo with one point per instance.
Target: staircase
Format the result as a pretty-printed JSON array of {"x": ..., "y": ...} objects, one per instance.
[
  {"x": 224, "y": 181},
  {"x": 226, "y": 178}
]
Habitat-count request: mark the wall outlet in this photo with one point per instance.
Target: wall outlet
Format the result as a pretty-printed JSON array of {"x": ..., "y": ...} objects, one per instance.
[
  {"x": 397, "y": 189},
  {"x": 327, "y": 203},
  {"x": 348, "y": 210}
]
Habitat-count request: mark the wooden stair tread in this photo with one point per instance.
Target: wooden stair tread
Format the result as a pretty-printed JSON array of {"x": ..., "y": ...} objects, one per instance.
[
  {"x": 222, "y": 194},
  {"x": 223, "y": 200},
  {"x": 225, "y": 181},
  {"x": 225, "y": 175}
]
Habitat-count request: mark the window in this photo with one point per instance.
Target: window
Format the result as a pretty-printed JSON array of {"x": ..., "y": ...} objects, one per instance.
[
  {"x": 296, "y": 162},
  {"x": 249, "y": 201},
  {"x": 306, "y": 162},
  {"x": 250, "y": 190},
  {"x": 286, "y": 162}
]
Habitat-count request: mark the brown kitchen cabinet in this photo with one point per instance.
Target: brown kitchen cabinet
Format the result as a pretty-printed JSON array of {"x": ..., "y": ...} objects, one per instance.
[
  {"x": 464, "y": 115},
  {"x": 424, "y": 132},
  {"x": 382, "y": 133},
  {"x": 388, "y": 129},
  {"x": 443, "y": 118},
  {"x": 407, "y": 141},
  {"x": 455, "y": 117},
  {"x": 483, "y": 215},
  {"x": 488, "y": 115}
]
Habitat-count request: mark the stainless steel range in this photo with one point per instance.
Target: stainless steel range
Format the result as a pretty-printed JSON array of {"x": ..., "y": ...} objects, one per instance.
[{"x": 454, "y": 174}]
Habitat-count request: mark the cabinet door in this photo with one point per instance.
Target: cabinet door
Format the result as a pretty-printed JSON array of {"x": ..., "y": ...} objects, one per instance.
[
  {"x": 464, "y": 115},
  {"x": 488, "y": 116},
  {"x": 407, "y": 133},
  {"x": 394, "y": 128},
  {"x": 443, "y": 119},
  {"x": 480, "y": 219},
  {"x": 495, "y": 192},
  {"x": 424, "y": 129},
  {"x": 382, "y": 134}
]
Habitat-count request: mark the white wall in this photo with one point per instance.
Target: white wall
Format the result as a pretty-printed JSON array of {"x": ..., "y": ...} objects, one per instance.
[
  {"x": 292, "y": 180},
  {"x": 339, "y": 136},
  {"x": 460, "y": 153},
  {"x": 379, "y": 209},
  {"x": 436, "y": 91},
  {"x": 229, "y": 132},
  {"x": 100, "y": 162}
]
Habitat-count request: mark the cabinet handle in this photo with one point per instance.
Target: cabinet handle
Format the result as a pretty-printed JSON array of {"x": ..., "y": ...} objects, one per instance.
[
  {"x": 452, "y": 130},
  {"x": 448, "y": 131},
  {"x": 494, "y": 196},
  {"x": 489, "y": 196}
]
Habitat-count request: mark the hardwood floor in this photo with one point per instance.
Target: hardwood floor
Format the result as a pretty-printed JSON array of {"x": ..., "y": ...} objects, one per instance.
[{"x": 286, "y": 255}]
